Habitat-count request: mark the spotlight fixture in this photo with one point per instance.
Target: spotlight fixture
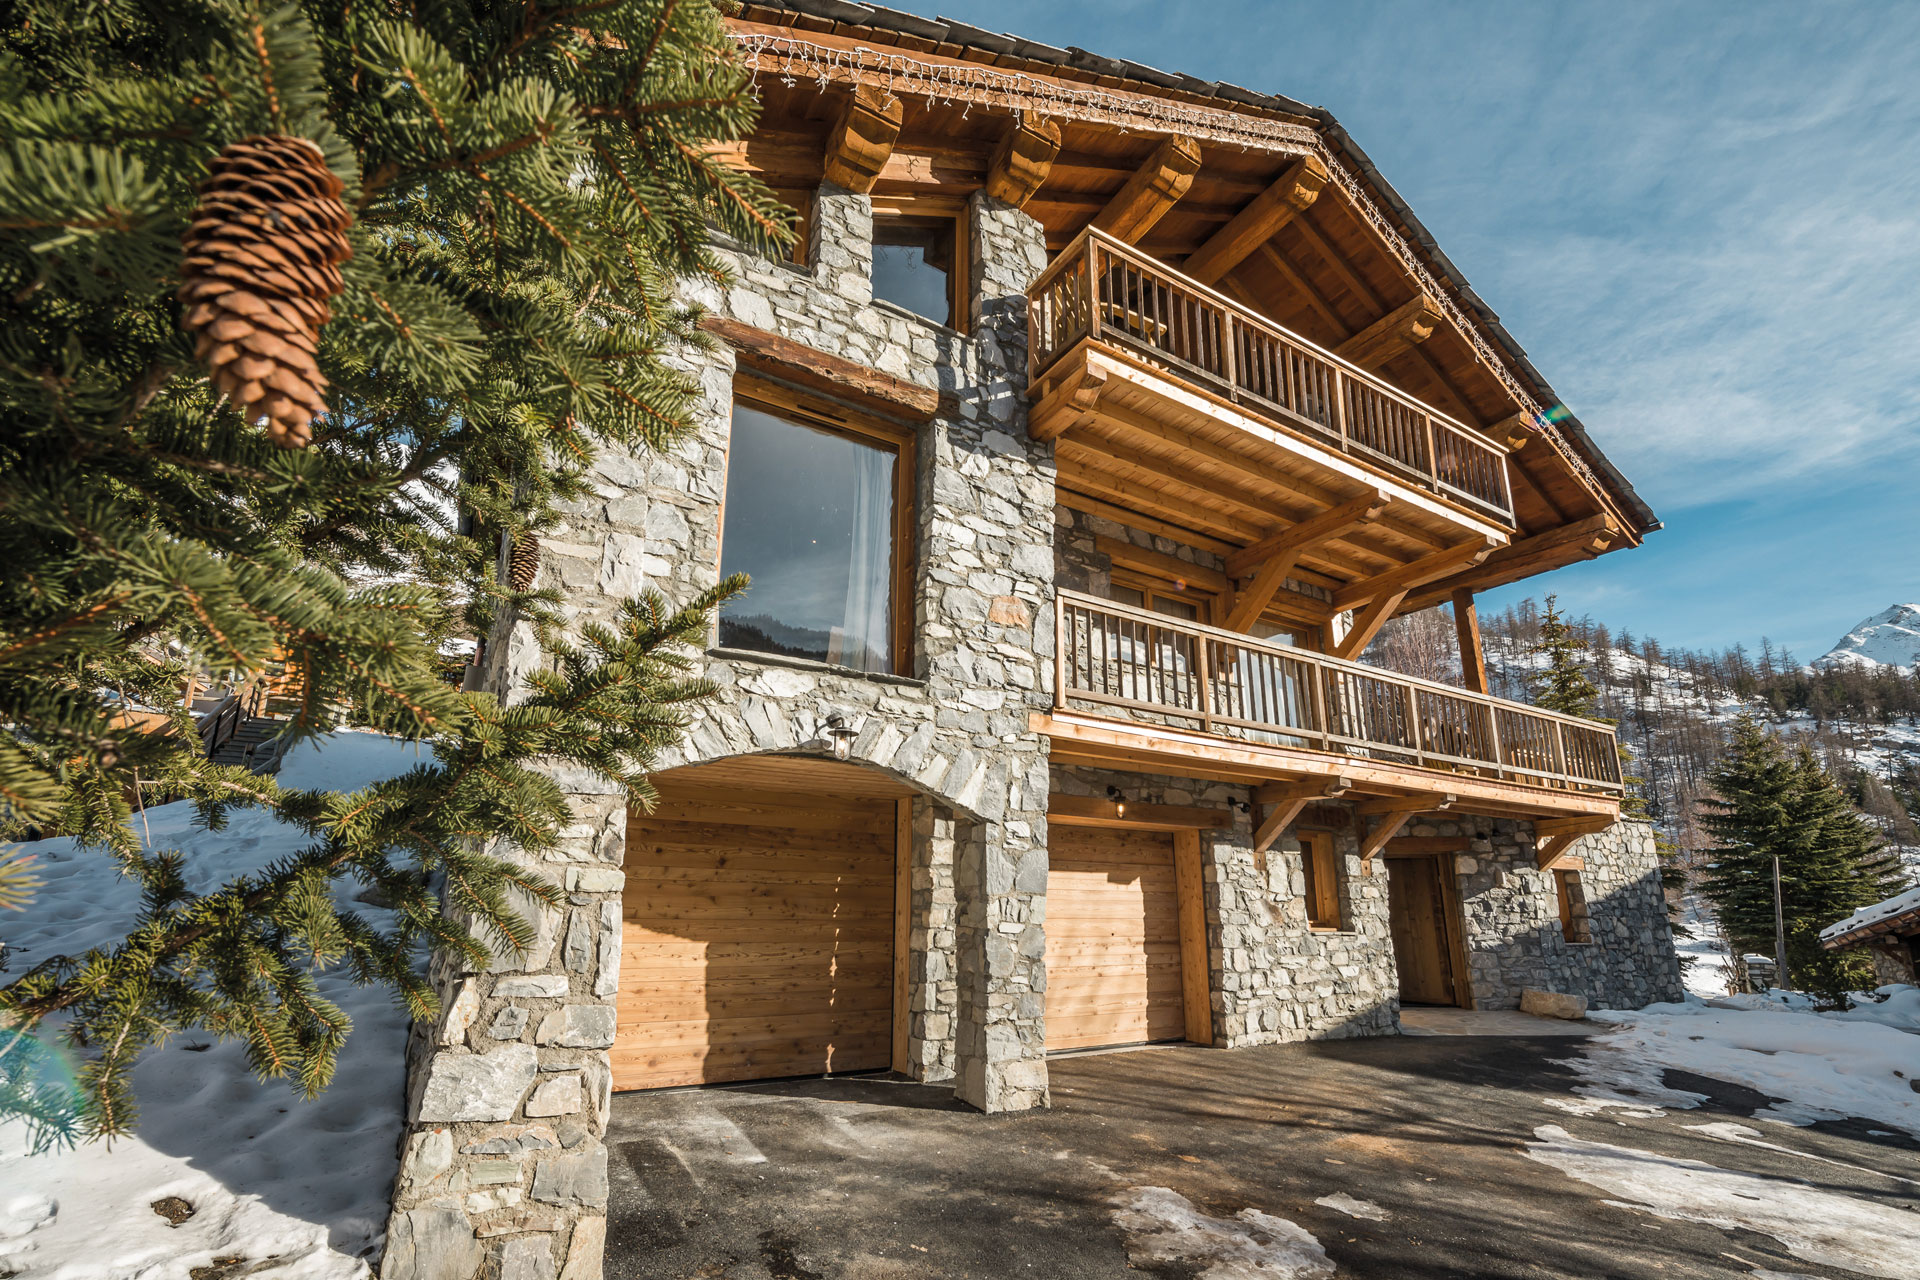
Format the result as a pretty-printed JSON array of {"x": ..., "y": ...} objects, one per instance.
[
  {"x": 841, "y": 734},
  {"x": 1239, "y": 806},
  {"x": 1119, "y": 801}
]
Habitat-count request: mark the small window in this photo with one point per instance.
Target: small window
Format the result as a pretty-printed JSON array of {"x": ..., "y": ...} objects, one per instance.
[
  {"x": 916, "y": 265},
  {"x": 812, "y": 517},
  {"x": 1574, "y": 926},
  {"x": 1322, "y": 870},
  {"x": 1166, "y": 599}
]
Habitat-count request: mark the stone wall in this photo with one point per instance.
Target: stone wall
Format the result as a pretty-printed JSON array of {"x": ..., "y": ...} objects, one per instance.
[
  {"x": 1512, "y": 912},
  {"x": 503, "y": 1169}
]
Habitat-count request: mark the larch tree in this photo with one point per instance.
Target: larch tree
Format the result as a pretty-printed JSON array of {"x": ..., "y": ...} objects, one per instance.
[{"x": 309, "y": 316}]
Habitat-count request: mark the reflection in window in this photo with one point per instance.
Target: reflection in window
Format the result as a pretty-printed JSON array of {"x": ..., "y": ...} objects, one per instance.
[
  {"x": 809, "y": 517},
  {"x": 913, "y": 265}
]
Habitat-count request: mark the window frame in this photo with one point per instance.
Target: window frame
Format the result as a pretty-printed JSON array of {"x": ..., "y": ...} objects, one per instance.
[
  {"x": 1322, "y": 898},
  {"x": 1149, "y": 586},
  {"x": 947, "y": 212},
  {"x": 1576, "y": 920},
  {"x": 791, "y": 405}
]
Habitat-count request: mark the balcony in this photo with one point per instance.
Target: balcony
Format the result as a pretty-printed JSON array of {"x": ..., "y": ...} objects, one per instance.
[
  {"x": 1102, "y": 290},
  {"x": 1210, "y": 702}
]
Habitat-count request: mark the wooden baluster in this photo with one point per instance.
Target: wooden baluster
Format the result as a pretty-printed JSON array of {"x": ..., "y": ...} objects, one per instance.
[
  {"x": 1433, "y": 462},
  {"x": 1559, "y": 746},
  {"x": 1493, "y": 737},
  {"x": 1336, "y": 392},
  {"x": 1201, "y": 645},
  {"x": 1229, "y": 372},
  {"x": 1061, "y": 638}
]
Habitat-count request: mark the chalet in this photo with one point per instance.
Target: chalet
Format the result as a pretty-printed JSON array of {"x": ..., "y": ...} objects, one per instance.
[
  {"x": 1097, "y": 422},
  {"x": 1890, "y": 933}
]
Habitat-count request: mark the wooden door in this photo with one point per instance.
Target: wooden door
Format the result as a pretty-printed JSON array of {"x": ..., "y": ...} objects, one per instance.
[
  {"x": 758, "y": 936},
  {"x": 1113, "y": 938},
  {"x": 1422, "y": 936}
]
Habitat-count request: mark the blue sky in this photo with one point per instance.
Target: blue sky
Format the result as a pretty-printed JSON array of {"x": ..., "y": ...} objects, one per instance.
[{"x": 1701, "y": 220}]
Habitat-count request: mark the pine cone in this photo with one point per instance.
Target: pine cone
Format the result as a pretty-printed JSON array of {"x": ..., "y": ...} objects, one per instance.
[
  {"x": 262, "y": 259},
  {"x": 523, "y": 562}
]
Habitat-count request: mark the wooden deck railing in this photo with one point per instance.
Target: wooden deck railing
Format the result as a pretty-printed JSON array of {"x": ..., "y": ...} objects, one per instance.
[
  {"x": 1105, "y": 289},
  {"x": 1115, "y": 655}
]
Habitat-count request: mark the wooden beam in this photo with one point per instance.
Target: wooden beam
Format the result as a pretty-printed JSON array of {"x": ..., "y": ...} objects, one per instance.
[
  {"x": 1305, "y": 287},
  {"x": 1582, "y": 540},
  {"x": 1433, "y": 802},
  {"x": 1152, "y": 190},
  {"x": 1157, "y": 564},
  {"x": 1473, "y": 656},
  {"x": 774, "y": 356},
  {"x": 1294, "y": 191},
  {"x": 1283, "y": 550},
  {"x": 1097, "y": 811},
  {"x": 1068, "y": 406},
  {"x": 1516, "y": 431},
  {"x": 1023, "y": 161},
  {"x": 1403, "y": 327},
  {"x": 862, "y": 138},
  {"x": 1424, "y": 570},
  {"x": 1386, "y": 829},
  {"x": 1367, "y": 625},
  {"x": 1329, "y": 524},
  {"x": 1554, "y": 836},
  {"x": 1288, "y": 799}
]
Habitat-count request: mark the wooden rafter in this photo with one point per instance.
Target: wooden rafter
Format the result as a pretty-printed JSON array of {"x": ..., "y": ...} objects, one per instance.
[
  {"x": 1421, "y": 571},
  {"x": 1404, "y": 327},
  {"x": 1288, "y": 799},
  {"x": 1254, "y": 225},
  {"x": 1023, "y": 160},
  {"x": 863, "y": 137},
  {"x": 1152, "y": 190}
]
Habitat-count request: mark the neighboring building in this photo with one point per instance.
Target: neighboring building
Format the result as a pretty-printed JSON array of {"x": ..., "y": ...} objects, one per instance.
[
  {"x": 1889, "y": 930},
  {"x": 1101, "y": 419}
]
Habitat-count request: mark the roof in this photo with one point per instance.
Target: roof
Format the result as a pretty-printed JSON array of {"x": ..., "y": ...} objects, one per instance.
[
  {"x": 1898, "y": 914},
  {"x": 948, "y": 31}
]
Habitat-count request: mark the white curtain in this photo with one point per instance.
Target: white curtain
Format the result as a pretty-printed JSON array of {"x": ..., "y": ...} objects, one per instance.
[{"x": 864, "y": 639}]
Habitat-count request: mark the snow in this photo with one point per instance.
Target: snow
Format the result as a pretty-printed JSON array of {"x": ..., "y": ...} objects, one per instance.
[
  {"x": 1896, "y": 905},
  {"x": 1821, "y": 1066},
  {"x": 1818, "y": 1226},
  {"x": 1163, "y": 1226},
  {"x": 1353, "y": 1207},
  {"x": 267, "y": 1175},
  {"x": 1889, "y": 638}
]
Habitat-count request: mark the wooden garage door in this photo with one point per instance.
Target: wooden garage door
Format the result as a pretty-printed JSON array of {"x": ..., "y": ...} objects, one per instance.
[
  {"x": 1113, "y": 938},
  {"x": 758, "y": 937}
]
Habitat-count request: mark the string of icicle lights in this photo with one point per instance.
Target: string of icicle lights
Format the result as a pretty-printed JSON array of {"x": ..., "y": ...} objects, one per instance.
[{"x": 793, "y": 60}]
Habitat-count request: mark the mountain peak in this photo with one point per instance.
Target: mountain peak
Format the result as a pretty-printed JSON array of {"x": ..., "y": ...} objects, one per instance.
[{"x": 1889, "y": 638}]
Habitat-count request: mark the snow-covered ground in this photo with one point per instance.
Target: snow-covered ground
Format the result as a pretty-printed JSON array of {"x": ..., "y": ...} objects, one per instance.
[{"x": 266, "y": 1174}]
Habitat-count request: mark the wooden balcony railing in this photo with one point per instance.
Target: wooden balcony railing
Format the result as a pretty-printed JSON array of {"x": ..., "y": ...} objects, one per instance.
[
  {"x": 1115, "y": 655},
  {"x": 1104, "y": 289}
]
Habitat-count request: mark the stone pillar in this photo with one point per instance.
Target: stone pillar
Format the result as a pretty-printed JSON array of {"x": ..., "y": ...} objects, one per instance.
[
  {"x": 933, "y": 985},
  {"x": 503, "y": 1172},
  {"x": 991, "y": 634}
]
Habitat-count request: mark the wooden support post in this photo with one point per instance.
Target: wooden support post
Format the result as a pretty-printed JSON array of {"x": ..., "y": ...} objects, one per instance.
[
  {"x": 1023, "y": 160},
  {"x": 1151, "y": 191},
  {"x": 863, "y": 138},
  {"x": 1293, "y": 193},
  {"x": 1288, "y": 799},
  {"x": 1191, "y": 902},
  {"x": 1394, "y": 813},
  {"x": 1403, "y": 327},
  {"x": 1466, "y": 625}
]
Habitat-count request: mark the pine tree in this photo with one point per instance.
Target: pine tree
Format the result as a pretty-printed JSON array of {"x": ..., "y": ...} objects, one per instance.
[
  {"x": 515, "y": 188},
  {"x": 1769, "y": 802},
  {"x": 1563, "y": 685}
]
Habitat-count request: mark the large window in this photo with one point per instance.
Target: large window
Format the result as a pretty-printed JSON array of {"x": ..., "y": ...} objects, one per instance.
[{"x": 812, "y": 516}]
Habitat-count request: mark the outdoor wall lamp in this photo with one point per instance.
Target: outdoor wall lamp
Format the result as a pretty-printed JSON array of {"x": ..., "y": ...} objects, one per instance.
[
  {"x": 841, "y": 734},
  {"x": 1119, "y": 801}
]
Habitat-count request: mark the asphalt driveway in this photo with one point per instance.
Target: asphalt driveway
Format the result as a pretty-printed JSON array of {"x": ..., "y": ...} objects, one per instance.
[{"x": 1190, "y": 1162}]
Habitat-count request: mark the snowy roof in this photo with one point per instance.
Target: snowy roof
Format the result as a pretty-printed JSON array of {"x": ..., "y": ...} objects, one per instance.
[{"x": 1901, "y": 912}]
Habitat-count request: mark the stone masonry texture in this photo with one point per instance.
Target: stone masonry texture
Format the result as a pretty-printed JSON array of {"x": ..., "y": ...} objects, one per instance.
[{"x": 504, "y": 1167}]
